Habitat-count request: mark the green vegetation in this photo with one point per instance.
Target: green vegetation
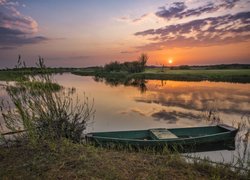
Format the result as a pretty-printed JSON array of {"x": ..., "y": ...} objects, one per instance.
[
  {"x": 65, "y": 160},
  {"x": 51, "y": 145},
  {"x": 10, "y": 76},
  {"x": 44, "y": 111},
  {"x": 217, "y": 66},
  {"x": 223, "y": 75},
  {"x": 36, "y": 85},
  {"x": 232, "y": 75},
  {"x": 21, "y": 71},
  {"x": 130, "y": 67},
  {"x": 124, "y": 72}
]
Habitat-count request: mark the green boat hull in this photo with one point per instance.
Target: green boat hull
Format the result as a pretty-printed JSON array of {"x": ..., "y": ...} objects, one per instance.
[{"x": 193, "y": 139}]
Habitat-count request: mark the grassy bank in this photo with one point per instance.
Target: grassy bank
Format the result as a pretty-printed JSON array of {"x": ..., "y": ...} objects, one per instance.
[
  {"x": 67, "y": 161},
  {"x": 16, "y": 74},
  {"x": 10, "y": 76},
  {"x": 224, "y": 75},
  {"x": 41, "y": 85},
  {"x": 227, "y": 75},
  {"x": 231, "y": 75}
]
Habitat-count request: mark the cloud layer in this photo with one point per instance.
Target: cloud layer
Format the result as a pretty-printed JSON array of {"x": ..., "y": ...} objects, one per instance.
[
  {"x": 129, "y": 19},
  {"x": 180, "y": 10},
  {"x": 207, "y": 31},
  {"x": 202, "y": 32},
  {"x": 16, "y": 29},
  {"x": 172, "y": 11}
]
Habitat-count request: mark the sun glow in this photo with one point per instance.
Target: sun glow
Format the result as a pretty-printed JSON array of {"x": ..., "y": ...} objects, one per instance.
[{"x": 170, "y": 61}]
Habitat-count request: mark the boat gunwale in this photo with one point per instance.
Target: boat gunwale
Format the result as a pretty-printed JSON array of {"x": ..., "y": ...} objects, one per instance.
[
  {"x": 138, "y": 130},
  {"x": 163, "y": 140}
]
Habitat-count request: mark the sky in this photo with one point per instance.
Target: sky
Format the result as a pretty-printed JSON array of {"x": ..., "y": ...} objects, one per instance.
[{"x": 83, "y": 33}]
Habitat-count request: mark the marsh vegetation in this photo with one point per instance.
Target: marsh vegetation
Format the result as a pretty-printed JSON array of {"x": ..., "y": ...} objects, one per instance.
[
  {"x": 55, "y": 118},
  {"x": 219, "y": 75},
  {"x": 138, "y": 70},
  {"x": 44, "y": 110},
  {"x": 67, "y": 161}
]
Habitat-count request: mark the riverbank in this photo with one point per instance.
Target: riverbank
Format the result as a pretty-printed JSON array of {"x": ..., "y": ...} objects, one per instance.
[
  {"x": 9, "y": 76},
  {"x": 222, "y": 75},
  {"x": 66, "y": 160},
  {"x": 19, "y": 74}
]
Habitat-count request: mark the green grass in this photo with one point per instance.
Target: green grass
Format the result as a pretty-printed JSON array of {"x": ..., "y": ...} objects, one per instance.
[
  {"x": 224, "y": 72},
  {"x": 232, "y": 75},
  {"x": 41, "y": 85},
  {"x": 227, "y": 75},
  {"x": 198, "y": 71},
  {"x": 16, "y": 74},
  {"x": 10, "y": 76},
  {"x": 67, "y": 161}
]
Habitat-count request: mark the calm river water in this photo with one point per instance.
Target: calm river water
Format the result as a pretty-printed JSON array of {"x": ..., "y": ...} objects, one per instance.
[{"x": 167, "y": 104}]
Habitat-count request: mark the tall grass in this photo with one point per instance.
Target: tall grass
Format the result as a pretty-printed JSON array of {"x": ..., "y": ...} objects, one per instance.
[
  {"x": 240, "y": 159},
  {"x": 47, "y": 112}
]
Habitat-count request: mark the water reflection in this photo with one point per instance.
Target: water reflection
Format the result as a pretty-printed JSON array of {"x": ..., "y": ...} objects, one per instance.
[
  {"x": 200, "y": 96},
  {"x": 114, "y": 82},
  {"x": 141, "y": 104},
  {"x": 173, "y": 116},
  {"x": 196, "y": 103}
]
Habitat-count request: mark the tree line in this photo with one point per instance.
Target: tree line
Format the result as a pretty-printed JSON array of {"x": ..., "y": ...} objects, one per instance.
[{"x": 131, "y": 67}]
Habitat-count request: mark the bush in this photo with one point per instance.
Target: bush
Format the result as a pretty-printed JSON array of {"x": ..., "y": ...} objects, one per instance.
[
  {"x": 131, "y": 67},
  {"x": 184, "y": 67},
  {"x": 143, "y": 61},
  {"x": 113, "y": 66},
  {"x": 45, "y": 111}
]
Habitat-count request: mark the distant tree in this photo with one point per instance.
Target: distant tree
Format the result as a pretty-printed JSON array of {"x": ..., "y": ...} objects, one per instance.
[
  {"x": 143, "y": 61},
  {"x": 113, "y": 66},
  {"x": 184, "y": 67},
  {"x": 131, "y": 67}
]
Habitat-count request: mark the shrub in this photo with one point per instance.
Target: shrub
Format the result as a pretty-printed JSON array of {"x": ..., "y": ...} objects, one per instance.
[
  {"x": 46, "y": 112},
  {"x": 143, "y": 61},
  {"x": 113, "y": 66},
  {"x": 131, "y": 67}
]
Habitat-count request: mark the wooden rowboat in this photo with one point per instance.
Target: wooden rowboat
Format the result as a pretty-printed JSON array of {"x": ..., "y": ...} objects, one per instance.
[{"x": 191, "y": 139}]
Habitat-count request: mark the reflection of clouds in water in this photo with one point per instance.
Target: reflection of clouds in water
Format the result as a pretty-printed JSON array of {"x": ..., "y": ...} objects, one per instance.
[
  {"x": 198, "y": 97},
  {"x": 170, "y": 118},
  {"x": 173, "y": 116},
  {"x": 137, "y": 111},
  {"x": 161, "y": 114}
]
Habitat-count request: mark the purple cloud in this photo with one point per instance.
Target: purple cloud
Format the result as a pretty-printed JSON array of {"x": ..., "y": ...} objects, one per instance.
[
  {"x": 134, "y": 20},
  {"x": 179, "y": 10},
  {"x": 16, "y": 29},
  {"x": 171, "y": 12},
  {"x": 202, "y": 32},
  {"x": 140, "y": 18}
]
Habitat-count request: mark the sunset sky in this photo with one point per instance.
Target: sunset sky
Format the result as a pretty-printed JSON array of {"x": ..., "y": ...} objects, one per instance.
[{"x": 93, "y": 32}]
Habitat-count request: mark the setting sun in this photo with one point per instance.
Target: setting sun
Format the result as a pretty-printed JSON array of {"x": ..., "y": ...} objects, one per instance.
[{"x": 170, "y": 61}]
